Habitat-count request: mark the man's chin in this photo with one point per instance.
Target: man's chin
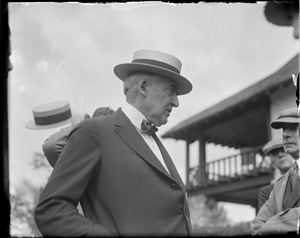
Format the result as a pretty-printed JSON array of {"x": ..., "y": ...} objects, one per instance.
[
  {"x": 164, "y": 121},
  {"x": 294, "y": 153}
]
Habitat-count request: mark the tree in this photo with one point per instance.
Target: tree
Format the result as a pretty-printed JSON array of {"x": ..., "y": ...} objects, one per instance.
[
  {"x": 22, "y": 209},
  {"x": 209, "y": 218},
  {"x": 23, "y": 201}
]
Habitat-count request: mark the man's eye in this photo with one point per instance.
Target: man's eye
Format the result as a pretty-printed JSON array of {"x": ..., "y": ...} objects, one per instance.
[{"x": 170, "y": 91}]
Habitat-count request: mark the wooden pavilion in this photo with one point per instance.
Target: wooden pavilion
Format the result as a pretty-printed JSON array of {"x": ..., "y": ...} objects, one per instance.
[{"x": 241, "y": 121}]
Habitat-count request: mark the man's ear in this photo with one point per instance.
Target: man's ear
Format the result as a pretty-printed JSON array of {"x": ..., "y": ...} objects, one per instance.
[{"x": 143, "y": 88}]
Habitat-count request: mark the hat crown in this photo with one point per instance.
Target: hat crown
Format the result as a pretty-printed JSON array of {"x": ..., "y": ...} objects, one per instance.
[
  {"x": 290, "y": 112},
  {"x": 157, "y": 58},
  {"x": 287, "y": 116},
  {"x": 273, "y": 144},
  {"x": 158, "y": 63},
  {"x": 51, "y": 108},
  {"x": 50, "y": 115}
]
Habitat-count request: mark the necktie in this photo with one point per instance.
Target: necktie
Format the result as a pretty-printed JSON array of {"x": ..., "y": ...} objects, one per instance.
[
  {"x": 296, "y": 168},
  {"x": 148, "y": 128}
]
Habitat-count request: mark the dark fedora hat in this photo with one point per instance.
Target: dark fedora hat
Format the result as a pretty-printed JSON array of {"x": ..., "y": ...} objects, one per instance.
[
  {"x": 155, "y": 62},
  {"x": 50, "y": 115},
  {"x": 289, "y": 115},
  {"x": 278, "y": 13}
]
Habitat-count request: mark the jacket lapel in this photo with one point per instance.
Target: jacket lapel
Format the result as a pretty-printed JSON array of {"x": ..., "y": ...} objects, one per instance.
[
  {"x": 279, "y": 193},
  {"x": 127, "y": 131},
  {"x": 170, "y": 165},
  {"x": 294, "y": 198}
]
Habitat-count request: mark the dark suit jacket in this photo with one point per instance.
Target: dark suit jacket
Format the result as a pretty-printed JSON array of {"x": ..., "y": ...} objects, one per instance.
[
  {"x": 263, "y": 194},
  {"x": 123, "y": 188}
]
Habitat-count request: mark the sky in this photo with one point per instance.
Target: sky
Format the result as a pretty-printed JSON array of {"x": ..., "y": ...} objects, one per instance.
[{"x": 68, "y": 51}]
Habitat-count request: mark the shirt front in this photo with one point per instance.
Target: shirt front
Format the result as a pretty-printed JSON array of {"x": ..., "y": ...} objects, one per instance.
[{"x": 136, "y": 119}]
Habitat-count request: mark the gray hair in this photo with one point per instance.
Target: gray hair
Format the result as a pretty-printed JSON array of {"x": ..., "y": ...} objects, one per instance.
[{"x": 132, "y": 82}]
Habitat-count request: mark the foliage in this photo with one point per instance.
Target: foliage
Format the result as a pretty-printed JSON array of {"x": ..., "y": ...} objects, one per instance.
[
  {"x": 205, "y": 211},
  {"x": 23, "y": 201},
  {"x": 240, "y": 229},
  {"x": 209, "y": 218},
  {"x": 39, "y": 161}
]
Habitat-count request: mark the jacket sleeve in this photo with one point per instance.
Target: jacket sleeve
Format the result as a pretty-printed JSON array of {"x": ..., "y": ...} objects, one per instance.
[
  {"x": 263, "y": 195},
  {"x": 264, "y": 214},
  {"x": 284, "y": 222},
  {"x": 54, "y": 145},
  {"x": 56, "y": 213}
]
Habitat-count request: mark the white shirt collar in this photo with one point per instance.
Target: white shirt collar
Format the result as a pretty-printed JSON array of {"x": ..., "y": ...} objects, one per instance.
[{"x": 134, "y": 115}]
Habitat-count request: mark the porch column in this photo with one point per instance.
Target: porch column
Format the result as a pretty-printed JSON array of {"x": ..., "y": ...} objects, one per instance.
[
  {"x": 268, "y": 120},
  {"x": 202, "y": 161},
  {"x": 187, "y": 165}
]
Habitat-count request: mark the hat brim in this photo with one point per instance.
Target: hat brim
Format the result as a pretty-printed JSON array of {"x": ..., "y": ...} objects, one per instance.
[
  {"x": 276, "y": 14},
  {"x": 31, "y": 125},
  {"x": 279, "y": 123},
  {"x": 267, "y": 151},
  {"x": 122, "y": 71}
]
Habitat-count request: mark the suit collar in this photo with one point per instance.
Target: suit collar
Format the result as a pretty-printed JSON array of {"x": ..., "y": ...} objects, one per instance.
[
  {"x": 134, "y": 115},
  {"x": 128, "y": 132}
]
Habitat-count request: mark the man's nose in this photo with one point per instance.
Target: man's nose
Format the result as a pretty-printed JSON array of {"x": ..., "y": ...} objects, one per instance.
[
  {"x": 281, "y": 153},
  {"x": 175, "y": 101},
  {"x": 285, "y": 132}
]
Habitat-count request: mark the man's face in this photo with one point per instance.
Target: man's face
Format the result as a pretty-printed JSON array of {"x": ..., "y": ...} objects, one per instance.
[
  {"x": 281, "y": 160},
  {"x": 160, "y": 100},
  {"x": 291, "y": 139}
]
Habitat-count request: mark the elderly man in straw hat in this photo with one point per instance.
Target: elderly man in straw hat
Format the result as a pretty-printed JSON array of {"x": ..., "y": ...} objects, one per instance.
[
  {"x": 281, "y": 212},
  {"x": 280, "y": 160},
  {"x": 117, "y": 167}
]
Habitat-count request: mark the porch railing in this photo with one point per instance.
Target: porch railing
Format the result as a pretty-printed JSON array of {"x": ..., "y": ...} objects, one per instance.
[{"x": 248, "y": 163}]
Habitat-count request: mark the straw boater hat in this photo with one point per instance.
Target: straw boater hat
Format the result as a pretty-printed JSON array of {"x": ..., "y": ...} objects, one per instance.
[
  {"x": 50, "y": 115},
  {"x": 286, "y": 116},
  {"x": 157, "y": 63},
  {"x": 278, "y": 12},
  {"x": 272, "y": 144}
]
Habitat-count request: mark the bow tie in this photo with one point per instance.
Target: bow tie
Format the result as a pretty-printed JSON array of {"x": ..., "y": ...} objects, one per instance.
[{"x": 148, "y": 128}]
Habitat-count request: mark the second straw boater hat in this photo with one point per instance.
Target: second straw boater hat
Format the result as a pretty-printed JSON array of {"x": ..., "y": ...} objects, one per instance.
[
  {"x": 155, "y": 62},
  {"x": 50, "y": 115}
]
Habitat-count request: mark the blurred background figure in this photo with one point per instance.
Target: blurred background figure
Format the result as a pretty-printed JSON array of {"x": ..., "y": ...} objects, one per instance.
[
  {"x": 284, "y": 14},
  {"x": 6, "y": 67},
  {"x": 280, "y": 160},
  {"x": 58, "y": 114},
  {"x": 53, "y": 146}
]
